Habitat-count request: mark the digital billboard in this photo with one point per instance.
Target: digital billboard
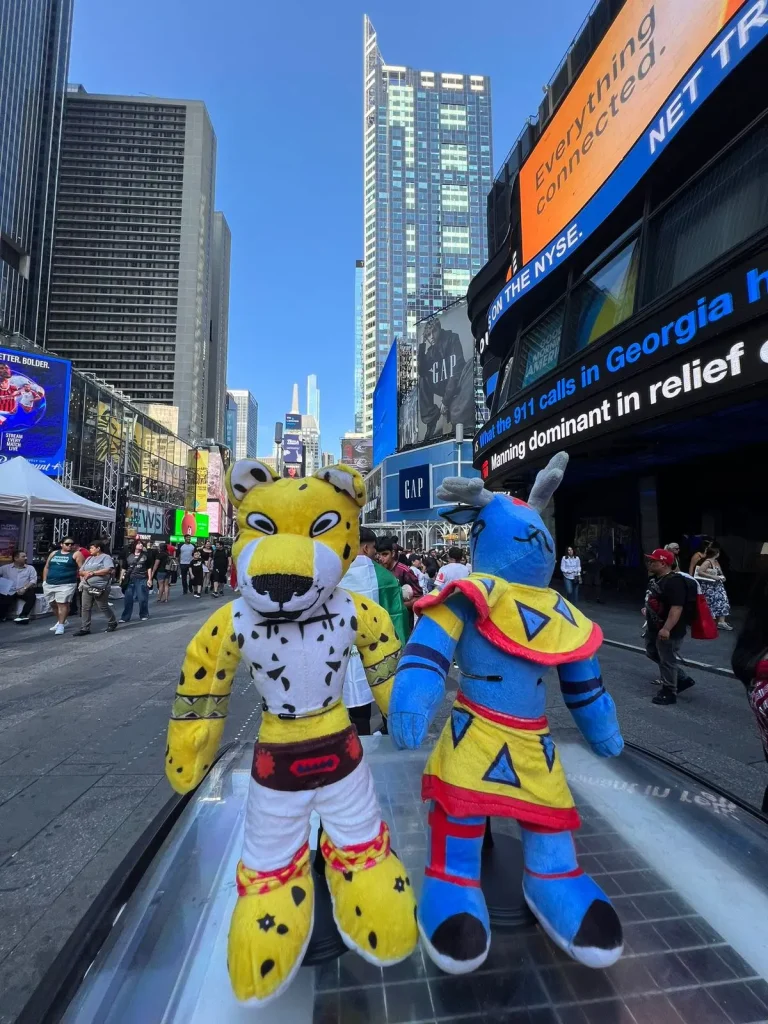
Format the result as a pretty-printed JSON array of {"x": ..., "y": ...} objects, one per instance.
[
  {"x": 357, "y": 452},
  {"x": 293, "y": 450},
  {"x": 197, "y": 480},
  {"x": 592, "y": 155},
  {"x": 292, "y": 421},
  {"x": 34, "y": 407},
  {"x": 613, "y": 100},
  {"x": 189, "y": 524},
  {"x": 444, "y": 393},
  {"x": 385, "y": 409}
]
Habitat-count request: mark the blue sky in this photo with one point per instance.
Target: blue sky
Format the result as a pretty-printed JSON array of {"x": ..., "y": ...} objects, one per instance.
[{"x": 282, "y": 82}]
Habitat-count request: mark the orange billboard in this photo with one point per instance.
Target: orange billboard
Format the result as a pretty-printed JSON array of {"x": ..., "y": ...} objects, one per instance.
[{"x": 630, "y": 75}]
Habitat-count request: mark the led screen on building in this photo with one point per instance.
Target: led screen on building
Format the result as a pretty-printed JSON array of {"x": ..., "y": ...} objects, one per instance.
[
  {"x": 357, "y": 452},
  {"x": 631, "y": 73},
  {"x": 34, "y": 406},
  {"x": 190, "y": 524},
  {"x": 385, "y": 409}
]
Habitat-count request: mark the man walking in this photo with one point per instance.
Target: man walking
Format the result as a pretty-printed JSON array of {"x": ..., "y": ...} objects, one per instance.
[
  {"x": 139, "y": 568},
  {"x": 185, "y": 552},
  {"x": 96, "y": 575},
  {"x": 667, "y": 614},
  {"x": 21, "y": 580}
]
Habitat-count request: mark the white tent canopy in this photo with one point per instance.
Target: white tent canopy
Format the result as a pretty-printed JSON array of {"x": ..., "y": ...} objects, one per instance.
[{"x": 23, "y": 488}]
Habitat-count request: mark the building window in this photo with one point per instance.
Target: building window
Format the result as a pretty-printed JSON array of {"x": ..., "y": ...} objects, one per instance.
[
  {"x": 724, "y": 206},
  {"x": 606, "y": 298},
  {"x": 540, "y": 346}
]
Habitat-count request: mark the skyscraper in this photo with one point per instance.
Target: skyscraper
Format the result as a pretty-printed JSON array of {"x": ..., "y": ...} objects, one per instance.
[
  {"x": 133, "y": 262},
  {"x": 230, "y": 422},
  {"x": 313, "y": 399},
  {"x": 359, "y": 290},
  {"x": 34, "y": 58},
  {"x": 219, "y": 339},
  {"x": 247, "y": 434},
  {"x": 428, "y": 168}
]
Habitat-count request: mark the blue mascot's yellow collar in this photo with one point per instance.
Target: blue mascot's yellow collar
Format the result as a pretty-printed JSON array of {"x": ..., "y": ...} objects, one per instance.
[{"x": 535, "y": 623}]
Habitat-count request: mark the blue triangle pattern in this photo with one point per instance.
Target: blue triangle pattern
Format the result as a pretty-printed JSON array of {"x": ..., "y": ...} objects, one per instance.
[
  {"x": 562, "y": 609},
  {"x": 460, "y": 722},
  {"x": 502, "y": 770},
  {"x": 548, "y": 746},
  {"x": 489, "y": 584},
  {"x": 533, "y": 620}
]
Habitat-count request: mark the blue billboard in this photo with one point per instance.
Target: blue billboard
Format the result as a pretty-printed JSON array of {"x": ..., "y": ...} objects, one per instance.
[
  {"x": 34, "y": 405},
  {"x": 414, "y": 489},
  {"x": 385, "y": 409}
]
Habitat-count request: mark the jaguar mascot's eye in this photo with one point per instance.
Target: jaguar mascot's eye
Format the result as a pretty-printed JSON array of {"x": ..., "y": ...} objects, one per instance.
[
  {"x": 258, "y": 521},
  {"x": 324, "y": 523}
]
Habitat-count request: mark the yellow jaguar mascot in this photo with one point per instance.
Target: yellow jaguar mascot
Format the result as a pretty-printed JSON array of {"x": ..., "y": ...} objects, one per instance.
[{"x": 295, "y": 629}]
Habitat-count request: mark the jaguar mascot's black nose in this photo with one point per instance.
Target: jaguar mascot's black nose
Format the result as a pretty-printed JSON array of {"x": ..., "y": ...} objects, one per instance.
[{"x": 280, "y": 587}]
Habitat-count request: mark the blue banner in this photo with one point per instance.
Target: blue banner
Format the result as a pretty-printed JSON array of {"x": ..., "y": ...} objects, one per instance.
[
  {"x": 741, "y": 35},
  {"x": 34, "y": 406},
  {"x": 414, "y": 489}
]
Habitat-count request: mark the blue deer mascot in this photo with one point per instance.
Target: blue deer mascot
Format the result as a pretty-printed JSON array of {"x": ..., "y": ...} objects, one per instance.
[{"x": 505, "y": 627}]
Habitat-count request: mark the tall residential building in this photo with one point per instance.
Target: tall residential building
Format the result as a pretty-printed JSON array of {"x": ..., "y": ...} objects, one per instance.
[
  {"x": 359, "y": 292},
  {"x": 219, "y": 339},
  {"x": 130, "y": 297},
  {"x": 310, "y": 435},
  {"x": 230, "y": 422},
  {"x": 427, "y": 170},
  {"x": 313, "y": 399},
  {"x": 34, "y": 59},
  {"x": 247, "y": 434}
]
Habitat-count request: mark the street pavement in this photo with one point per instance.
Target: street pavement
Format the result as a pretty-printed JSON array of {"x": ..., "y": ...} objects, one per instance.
[{"x": 82, "y": 734}]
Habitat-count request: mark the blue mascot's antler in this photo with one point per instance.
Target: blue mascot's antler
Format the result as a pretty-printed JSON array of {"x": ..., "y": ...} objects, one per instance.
[{"x": 547, "y": 481}]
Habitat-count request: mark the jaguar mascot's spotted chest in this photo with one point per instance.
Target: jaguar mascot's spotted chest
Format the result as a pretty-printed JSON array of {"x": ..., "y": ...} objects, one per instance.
[{"x": 298, "y": 666}]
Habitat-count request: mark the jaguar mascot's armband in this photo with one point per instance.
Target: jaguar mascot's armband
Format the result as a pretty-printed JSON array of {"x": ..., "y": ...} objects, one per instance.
[
  {"x": 504, "y": 626},
  {"x": 295, "y": 628}
]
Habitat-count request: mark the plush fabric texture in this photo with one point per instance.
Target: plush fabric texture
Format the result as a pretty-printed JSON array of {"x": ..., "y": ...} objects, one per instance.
[
  {"x": 504, "y": 627},
  {"x": 373, "y": 902},
  {"x": 295, "y": 629},
  {"x": 270, "y": 929}
]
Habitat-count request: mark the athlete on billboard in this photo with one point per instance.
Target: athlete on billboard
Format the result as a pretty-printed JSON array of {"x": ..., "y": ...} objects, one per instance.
[
  {"x": 446, "y": 383},
  {"x": 22, "y": 400}
]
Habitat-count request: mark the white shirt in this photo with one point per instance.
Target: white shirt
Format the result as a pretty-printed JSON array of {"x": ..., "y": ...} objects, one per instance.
[
  {"x": 19, "y": 579},
  {"x": 449, "y": 573},
  {"x": 570, "y": 567},
  {"x": 185, "y": 554},
  {"x": 361, "y": 579}
]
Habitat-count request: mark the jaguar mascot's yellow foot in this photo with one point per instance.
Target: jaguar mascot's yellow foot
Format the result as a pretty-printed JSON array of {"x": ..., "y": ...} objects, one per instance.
[
  {"x": 270, "y": 929},
  {"x": 373, "y": 902}
]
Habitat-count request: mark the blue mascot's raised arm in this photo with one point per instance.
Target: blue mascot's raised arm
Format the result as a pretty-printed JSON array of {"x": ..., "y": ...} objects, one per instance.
[
  {"x": 420, "y": 679},
  {"x": 591, "y": 705}
]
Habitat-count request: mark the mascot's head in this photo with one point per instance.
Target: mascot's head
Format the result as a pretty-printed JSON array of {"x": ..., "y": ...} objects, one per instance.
[
  {"x": 508, "y": 537},
  {"x": 296, "y": 537}
]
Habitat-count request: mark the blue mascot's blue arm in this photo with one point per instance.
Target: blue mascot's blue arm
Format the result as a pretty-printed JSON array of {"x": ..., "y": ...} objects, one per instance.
[
  {"x": 420, "y": 683},
  {"x": 591, "y": 705}
]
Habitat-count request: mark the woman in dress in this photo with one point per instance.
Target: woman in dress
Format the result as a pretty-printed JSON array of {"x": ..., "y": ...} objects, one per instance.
[
  {"x": 570, "y": 567},
  {"x": 712, "y": 581},
  {"x": 750, "y": 661}
]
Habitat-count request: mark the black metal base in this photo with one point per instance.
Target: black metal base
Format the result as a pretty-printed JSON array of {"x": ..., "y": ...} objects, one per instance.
[
  {"x": 326, "y": 944},
  {"x": 501, "y": 880}
]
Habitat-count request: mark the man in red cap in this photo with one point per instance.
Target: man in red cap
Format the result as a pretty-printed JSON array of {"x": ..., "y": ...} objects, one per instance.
[{"x": 667, "y": 613}]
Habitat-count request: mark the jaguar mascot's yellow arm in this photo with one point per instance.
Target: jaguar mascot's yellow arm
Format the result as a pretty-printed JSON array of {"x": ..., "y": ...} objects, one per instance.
[{"x": 295, "y": 628}]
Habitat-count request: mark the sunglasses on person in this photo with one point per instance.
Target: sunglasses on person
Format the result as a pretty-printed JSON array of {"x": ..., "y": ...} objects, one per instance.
[{"x": 67, "y": 543}]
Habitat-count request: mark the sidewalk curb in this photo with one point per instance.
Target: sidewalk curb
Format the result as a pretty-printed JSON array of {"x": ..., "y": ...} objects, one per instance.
[{"x": 683, "y": 661}]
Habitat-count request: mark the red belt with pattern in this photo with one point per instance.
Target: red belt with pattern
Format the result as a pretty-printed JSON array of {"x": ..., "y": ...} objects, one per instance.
[{"x": 310, "y": 764}]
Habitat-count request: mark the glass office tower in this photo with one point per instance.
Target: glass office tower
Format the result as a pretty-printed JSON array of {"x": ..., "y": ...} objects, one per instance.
[
  {"x": 34, "y": 58},
  {"x": 359, "y": 292},
  {"x": 428, "y": 162}
]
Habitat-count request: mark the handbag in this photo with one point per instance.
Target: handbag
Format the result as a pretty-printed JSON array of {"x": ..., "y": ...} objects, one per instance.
[{"x": 703, "y": 625}]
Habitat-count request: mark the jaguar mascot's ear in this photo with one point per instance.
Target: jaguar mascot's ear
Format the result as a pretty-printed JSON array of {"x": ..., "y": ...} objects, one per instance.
[
  {"x": 244, "y": 475},
  {"x": 343, "y": 478}
]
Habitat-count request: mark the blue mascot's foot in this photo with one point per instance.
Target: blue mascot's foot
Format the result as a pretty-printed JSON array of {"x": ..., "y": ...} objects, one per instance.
[
  {"x": 452, "y": 915},
  {"x": 570, "y": 906},
  {"x": 454, "y": 925}
]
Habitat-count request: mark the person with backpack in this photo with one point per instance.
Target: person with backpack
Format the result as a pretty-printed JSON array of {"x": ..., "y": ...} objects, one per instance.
[
  {"x": 750, "y": 660},
  {"x": 670, "y": 606}
]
